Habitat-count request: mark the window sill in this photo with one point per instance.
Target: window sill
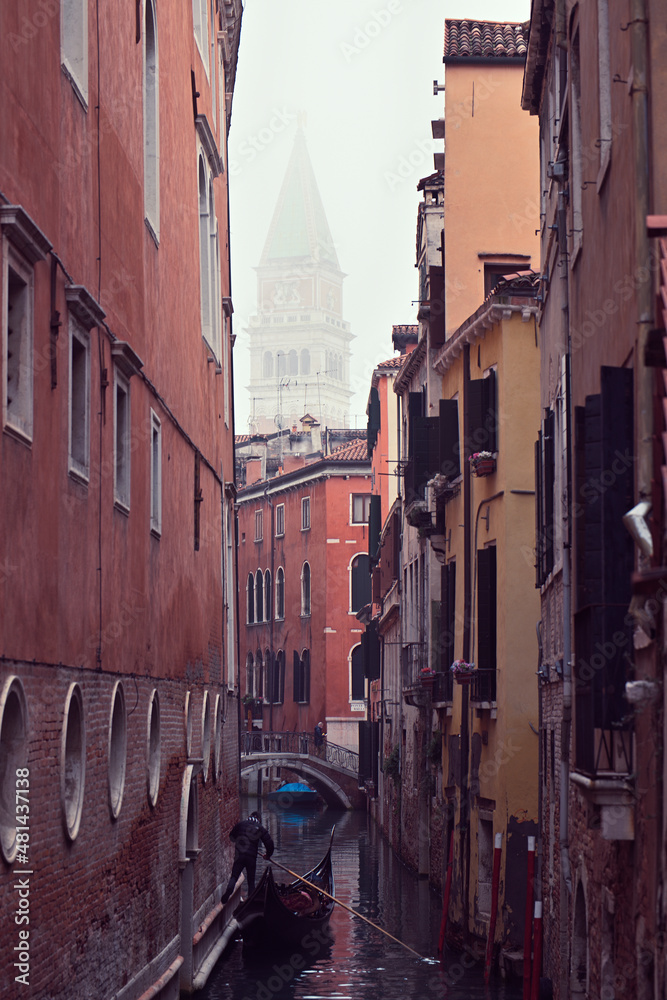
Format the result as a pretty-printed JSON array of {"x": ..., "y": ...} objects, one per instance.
[
  {"x": 18, "y": 434},
  {"x": 121, "y": 506},
  {"x": 78, "y": 91},
  {"x": 153, "y": 234},
  {"x": 156, "y": 532},
  {"x": 614, "y": 794},
  {"x": 78, "y": 475}
]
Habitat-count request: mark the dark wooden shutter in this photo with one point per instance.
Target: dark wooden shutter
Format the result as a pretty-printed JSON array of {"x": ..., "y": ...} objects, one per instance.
[
  {"x": 482, "y": 414},
  {"x": 539, "y": 514},
  {"x": 374, "y": 528},
  {"x": 370, "y": 646},
  {"x": 305, "y": 668},
  {"x": 361, "y": 583},
  {"x": 425, "y": 452},
  {"x": 448, "y": 615},
  {"x": 548, "y": 489},
  {"x": 449, "y": 438},
  {"x": 369, "y": 743},
  {"x": 486, "y": 608},
  {"x": 373, "y": 425}
]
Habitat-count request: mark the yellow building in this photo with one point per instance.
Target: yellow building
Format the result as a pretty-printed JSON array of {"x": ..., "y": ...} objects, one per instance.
[{"x": 490, "y": 608}]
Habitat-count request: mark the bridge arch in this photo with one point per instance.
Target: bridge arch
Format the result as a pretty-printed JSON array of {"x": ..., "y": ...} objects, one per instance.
[{"x": 331, "y": 790}]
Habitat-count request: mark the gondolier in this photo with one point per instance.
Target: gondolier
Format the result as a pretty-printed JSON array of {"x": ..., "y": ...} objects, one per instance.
[{"x": 246, "y": 835}]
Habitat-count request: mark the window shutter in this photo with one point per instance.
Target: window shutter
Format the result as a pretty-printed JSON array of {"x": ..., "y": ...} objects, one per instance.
[
  {"x": 370, "y": 646},
  {"x": 539, "y": 519},
  {"x": 306, "y": 675},
  {"x": 448, "y": 615},
  {"x": 449, "y": 457},
  {"x": 373, "y": 420},
  {"x": 361, "y": 583},
  {"x": 426, "y": 452},
  {"x": 486, "y": 608},
  {"x": 374, "y": 529},
  {"x": 548, "y": 489},
  {"x": 482, "y": 414},
  {"x": 358, "y": 684}
]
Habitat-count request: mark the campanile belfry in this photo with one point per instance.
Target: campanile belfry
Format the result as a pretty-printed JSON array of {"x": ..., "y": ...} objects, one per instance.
[{"x": 299, "y": 341}]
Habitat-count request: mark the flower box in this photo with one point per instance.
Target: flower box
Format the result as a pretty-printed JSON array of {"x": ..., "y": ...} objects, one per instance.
[
  {"x": 463, "y": 671},
  {"x": 482, "y": 463}
]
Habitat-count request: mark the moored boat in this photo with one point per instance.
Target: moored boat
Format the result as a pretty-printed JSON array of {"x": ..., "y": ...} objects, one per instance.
[
  {"x": 293, "y": 794},
  {"x": 286, "y": 914}
]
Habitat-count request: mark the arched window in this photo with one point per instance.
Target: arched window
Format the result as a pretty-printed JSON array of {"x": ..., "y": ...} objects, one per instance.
[
  {"x": 268, "y": 364},
  {"x": 305, "y": 589},
  {"x": 280, "y": 594},
  {"x": 360, "y": 583},
  {"x": 301, "y": 688},
  {"x": 204, "y": 278},
  {"x": 305, "y": 361},
  {"x": 258, "y": 676},
  {"x": 281, "y": 362},
  {"x": 259, "y": 596},
  {"x": 14, "y": 774},
  {"x": 267, "y": 679},
  {"x": 278, "y": 678},
  {"x": 151, "y": 121},
  {"x": 267, "y": 596},
  {"x": 357, "y": 679},
  {"x": 293, "y": 363},
  {"x": 249, "y": 674},
  {"x": 251, "y": 599}
]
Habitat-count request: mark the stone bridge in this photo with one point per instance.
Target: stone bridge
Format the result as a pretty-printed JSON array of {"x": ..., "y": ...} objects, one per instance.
[{"x": 333, "y": 771}]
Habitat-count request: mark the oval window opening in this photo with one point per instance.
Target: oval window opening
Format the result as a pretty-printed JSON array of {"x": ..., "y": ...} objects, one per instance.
[
  {"x": 117, "y": 751},
  {"x": 73, "y": 761}
]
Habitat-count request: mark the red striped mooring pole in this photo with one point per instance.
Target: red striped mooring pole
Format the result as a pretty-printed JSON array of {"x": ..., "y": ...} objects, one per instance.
[
  {"x": 528, "y": 924},
  {"x": 495, "y": 884},
  {"x": 537, "y": 950}
]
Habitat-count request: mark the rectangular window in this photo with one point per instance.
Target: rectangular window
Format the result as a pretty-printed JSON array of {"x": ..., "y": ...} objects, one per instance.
[
  {"x": 121, "y": 417},
  {"x": 17, "y": 335},
  {"x": 604, "y": 76},
  {"x": 305, "y": 514},
  {"x": 156, "y": 475},
  {"x": 280, "y": 520},
  {"x": 79, "y": 401},
  {"x": 74, "y": 45},
  {"x": 259, "y": 525},
  {"x": 576, "y": 185},
  {"x": 485, "y": 678},
  {"x": 361, "y": 507}
]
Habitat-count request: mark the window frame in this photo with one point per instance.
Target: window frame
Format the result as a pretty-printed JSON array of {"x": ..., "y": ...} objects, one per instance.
[
  {"x": 74, "y": 46},
  {"x": 151, "y": 124},
  {"x": 20, "y": 425},
  {"x": 365, "y": 504},
  {"x": 259, "y": 525},
  {"x": 306, "y": 590},
  {"x": 156, "y": 475},
  {"x": 280, "y": 594},
  {"x": 280, "y": 520},
  {"x": 122, "y": 496},
  {"x": 79, "y": 470},
  {"x": 305, "y": 513}
]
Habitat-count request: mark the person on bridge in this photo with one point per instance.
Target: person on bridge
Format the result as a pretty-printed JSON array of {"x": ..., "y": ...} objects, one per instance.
[
  {"x": 319, "y": 737},
  {"x": 246, "y": 835}
]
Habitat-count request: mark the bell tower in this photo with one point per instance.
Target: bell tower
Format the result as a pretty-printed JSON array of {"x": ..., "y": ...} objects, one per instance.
[{"x": 299, "y": 341}]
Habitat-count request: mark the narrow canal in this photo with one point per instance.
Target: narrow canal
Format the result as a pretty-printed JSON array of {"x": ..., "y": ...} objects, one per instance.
[{"x": 353, "y": 960}]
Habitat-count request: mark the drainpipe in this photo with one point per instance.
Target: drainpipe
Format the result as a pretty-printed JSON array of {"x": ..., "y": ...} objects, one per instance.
[
  {"x": 464, "y": 811},
  {"x": 271, "y": 608},
  {"x": 643, "y": 375}
]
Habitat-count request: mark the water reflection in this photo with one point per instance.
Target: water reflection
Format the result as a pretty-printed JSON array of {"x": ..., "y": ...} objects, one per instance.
[{"x": 350, "y": 958}]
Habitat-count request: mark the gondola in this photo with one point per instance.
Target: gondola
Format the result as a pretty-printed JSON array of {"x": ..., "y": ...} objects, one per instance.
[{"x": 286, "y": 914}]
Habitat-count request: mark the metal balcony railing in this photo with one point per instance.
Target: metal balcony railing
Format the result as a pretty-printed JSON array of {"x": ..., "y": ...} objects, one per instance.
[
  {"x": 299, "y": 743},
  {"x": 483, "y": 686}
]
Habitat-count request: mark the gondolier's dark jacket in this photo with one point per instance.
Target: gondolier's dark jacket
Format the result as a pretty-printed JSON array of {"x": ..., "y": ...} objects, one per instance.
[{"x": 247, "y": 834}]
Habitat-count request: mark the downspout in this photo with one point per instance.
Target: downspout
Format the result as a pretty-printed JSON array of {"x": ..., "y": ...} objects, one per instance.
[
  {"x": 464, "y": 810},
  {"x": 401, "y": 636},
  {"x": 643, "y": 374},
  {"x": 271, "y": 609}
]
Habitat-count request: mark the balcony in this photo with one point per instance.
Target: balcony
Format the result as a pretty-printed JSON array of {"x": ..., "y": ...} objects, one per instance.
[{"x": 483, "y": 689}]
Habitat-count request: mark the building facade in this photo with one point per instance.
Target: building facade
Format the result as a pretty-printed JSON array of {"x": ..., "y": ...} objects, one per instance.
[
  {"x": 299, "y": 341},
  {"x": 454, "y": 575},
  {"x": 600, "y": 544},
  {"x": 303, "y": 567},
  {"x": 118, "y": 673}
]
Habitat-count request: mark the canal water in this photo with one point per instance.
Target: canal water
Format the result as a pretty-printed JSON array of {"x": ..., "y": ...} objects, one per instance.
[{"x": 353, "y": 960}]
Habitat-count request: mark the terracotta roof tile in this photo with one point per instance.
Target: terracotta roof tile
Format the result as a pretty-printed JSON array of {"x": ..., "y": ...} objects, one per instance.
[
  {"x": 485, "y": 39},
  {"x": 355, "y": 452},
  {"x": 394, "y": 362}
]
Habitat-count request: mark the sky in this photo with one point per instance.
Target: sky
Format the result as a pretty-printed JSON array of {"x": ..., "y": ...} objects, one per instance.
[{"x": 363, "y": 72}]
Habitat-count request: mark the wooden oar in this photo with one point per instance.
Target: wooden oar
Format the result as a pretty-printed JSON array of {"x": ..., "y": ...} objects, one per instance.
[{"x": 345, "y": 907}]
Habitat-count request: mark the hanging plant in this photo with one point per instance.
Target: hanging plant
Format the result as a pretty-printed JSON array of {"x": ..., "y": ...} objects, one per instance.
[{"x": 392, "y": 765}]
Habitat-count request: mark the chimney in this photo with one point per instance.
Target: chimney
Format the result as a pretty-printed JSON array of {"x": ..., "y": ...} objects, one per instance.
[{"x": 253, "y": 471}]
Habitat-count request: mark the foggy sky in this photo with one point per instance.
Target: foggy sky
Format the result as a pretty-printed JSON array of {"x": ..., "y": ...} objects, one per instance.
[{"x": 363, "y": 72}]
